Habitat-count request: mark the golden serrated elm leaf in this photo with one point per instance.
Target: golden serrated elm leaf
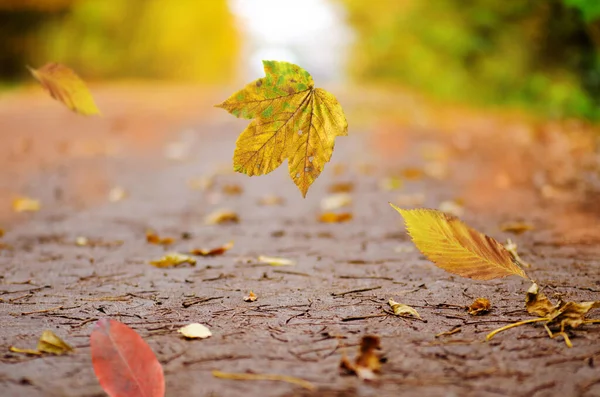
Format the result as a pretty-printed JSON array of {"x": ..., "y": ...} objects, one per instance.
[
  {"x": 457, "y": 248},
  {"x": 291, "y": 120},
  {"x": 65, "y": 86}
]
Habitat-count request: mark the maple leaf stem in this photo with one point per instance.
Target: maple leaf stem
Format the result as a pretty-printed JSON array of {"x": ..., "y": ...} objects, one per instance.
[
  {"x": 561, "y": 333},
  {"x": 517, "y": 324}
]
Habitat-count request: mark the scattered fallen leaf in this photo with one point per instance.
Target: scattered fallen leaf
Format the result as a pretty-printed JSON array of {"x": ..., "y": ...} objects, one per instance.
[
  {"x": 26, "y": 204},
  {"x": 412, "y": 173},
  {"x": 123, "y": 363},
  {"x": 117, "y": 194},
  {"x": 336, "y": 201},
  {"x": 65, "y": 86},
  {"x": 153, "y": 238},
  {"x": 195, "y": 331},
  {"x": 271, "y": 199},
  {"x": 452, "y": 207},
  {"x": 201, "y": 183},
  {"x": 512, "y": 248},
  {"x": 81, "y": 241},
  {"x": 480, "y": 306},
  {"x": 453, "y": 331},
  {"x": 403, "y": 310},
  {"x": 332, "y": 217},
  {"x": 341, "y": 187},
  {"x": 389, "y": 184},
  {"x": 232, "y": 189},
  {"x": 251, "y": 376},
  {"x": 410, "y": 200},
  {"x": 563, "y": 315},
  {"x": 292, "y": 119},
  {"x": 213, "y": 251},
  {"x": 275, "y": 261},
  {"x": 456, "y": 248},
  {"x": 516, "y": 227},
  {"x": 367, "y": 363},
  {"x": 173, "y": 259},
  {"x": 50, "y": 343},
  {"x": 251, "y": 297},
  {"x": 221, "y": 216},
  {"x": 25, "y": 351}
]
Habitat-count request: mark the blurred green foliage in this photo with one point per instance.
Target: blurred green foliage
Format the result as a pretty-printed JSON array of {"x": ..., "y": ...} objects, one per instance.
[
  {"x": 540, "y": 54},
  {"x": 184, "y": 39}
]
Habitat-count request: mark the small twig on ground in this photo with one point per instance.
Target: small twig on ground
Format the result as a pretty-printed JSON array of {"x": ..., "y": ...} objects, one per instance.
[
  {"x": 283, "y": 378},
  {"x": 195, "y": 301},
  {"x": 291, "y": 272},
  {"x": 356, "y": 318},
  {"x": 355, "y": 291},
  {"x": 368, "y": 277}
]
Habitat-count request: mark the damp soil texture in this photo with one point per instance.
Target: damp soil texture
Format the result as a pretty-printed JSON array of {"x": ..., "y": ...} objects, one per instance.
[{"x": 158, "y": 147}]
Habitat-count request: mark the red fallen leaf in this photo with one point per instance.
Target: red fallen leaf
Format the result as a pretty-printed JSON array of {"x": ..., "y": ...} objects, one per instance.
[{"x": 124, "y": 364}]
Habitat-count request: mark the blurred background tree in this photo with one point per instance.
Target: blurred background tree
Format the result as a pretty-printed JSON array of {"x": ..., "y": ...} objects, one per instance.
[
  {"x": 540, "y": 54},
  {"x": 183, "y": 40}
]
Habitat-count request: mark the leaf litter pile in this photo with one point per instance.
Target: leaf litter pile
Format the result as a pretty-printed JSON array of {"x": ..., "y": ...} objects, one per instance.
[{"x": 293, "y": 120}]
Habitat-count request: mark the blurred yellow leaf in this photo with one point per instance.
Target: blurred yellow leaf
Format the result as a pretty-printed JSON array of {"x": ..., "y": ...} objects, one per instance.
[
  {"x": 195, "y": 331},
  {"x": 292, "y": 119},
  {"x": 213, "y": 251},
  {"x": 389, "y": 184},
  {"x": 516, "y": 227},
  {"x": 50, "y": 343},
  {"x": 452, "y": 207},
  {"x": 25, "y": 351},
  {"x": 26, "y": 204},
  {"x": 117, "y": 194},
  {"x": 173, "y": 259},
  {"x": 332, "y": 217},
  {"x": 412, "y": 173},
  {"x": 221, "y": 216},
  {"x": 232, "y": 189},
  {"x": 153, "y": 238},
  {"x": 275, "y": 261},
  {"x": 201, "y": 183},
  {"x": 64, "y": 85},
  {"x": 479, "y": 306},
  {"x": 271, "y": 199},
  {"x": 341, "y": 187},
  {"x": 403, "y": 310},
  {"x": 456, "y": 248},
  {"x": 335, "y": 201},
  {"x": 251, "y": 297},
  {"x": 367, "y": 364}
]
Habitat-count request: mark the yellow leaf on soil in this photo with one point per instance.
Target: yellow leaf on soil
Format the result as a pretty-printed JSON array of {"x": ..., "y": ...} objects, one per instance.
[
  {"x": 25, "y": 351},
  {"x": 50, "y": 343},
  {"x": 516, "y": 227},
  {"x": 213, "y": 251},
  {"x": 274, "y": 261},
  {"x": 173, "y": 259},
  {"x": 26, "y": 204},
  {"x": 64, "y": 85},
  {"x": 403, "y": 310},
  {"x": 367, "y": 363},
  {"x": 251, "y": 297},
  {"x": 332, "y": 217},
  {"x": 221, "y": 216},
  {"x": 456, "y": 248},
  {"x": 341, "y": 187},
  {"x": 153, "y": 238},
  {"x": 291, "y": 120},
  {"x": 479, "y": 306},
  {"x": 195, "y": 331}
]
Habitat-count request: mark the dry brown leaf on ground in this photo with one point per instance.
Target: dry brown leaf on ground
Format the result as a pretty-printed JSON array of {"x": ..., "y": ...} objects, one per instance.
[
  {"x": 213, "y": 251},
  {"x": 271, "y": 200},
  {"x": 403, "y": 310},
  {"x": 332, "y": 217},
  {"x": 341, "y": 187},
  {"x": 222, "y": 216},
  {"x": 50, "y": 343},
  {"x": 516, "y": 227},
  {"x": 336, "y": 201},
  {"x": 195, "y": 331},
  {"x": 153, "y": 238},
  {"x": 457, "y": 248},
  {"x": 563, "y": 315},
  {"x": 368, "y": 362},
  {"x": 479, "y": 306},
  {"x": 26, "y": 204},
  {"x": 173, "y": 259},
  {"x": 251, "y": 297},
  {"x": 65, "y": 86},
  {"x": 275, "y": 261}
]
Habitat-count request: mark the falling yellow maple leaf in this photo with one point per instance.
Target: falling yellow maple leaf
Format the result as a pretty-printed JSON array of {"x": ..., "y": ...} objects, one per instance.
[
  {"x": 65, "y": 86},
  {"x": 456, "y": 248},
  {"x": 291, "y": 120}
]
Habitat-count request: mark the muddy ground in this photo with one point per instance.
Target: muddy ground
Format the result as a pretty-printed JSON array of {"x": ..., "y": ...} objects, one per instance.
[{"x": 306, "y": 316}]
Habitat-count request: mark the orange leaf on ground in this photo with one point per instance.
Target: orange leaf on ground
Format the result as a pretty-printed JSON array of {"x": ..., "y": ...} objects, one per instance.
[
  {"x": 332, "y": 217},
  {"x": 65, "y": 86},
  {"x": 212, "y": 251},
  {"x": 124, "y": 364}
]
